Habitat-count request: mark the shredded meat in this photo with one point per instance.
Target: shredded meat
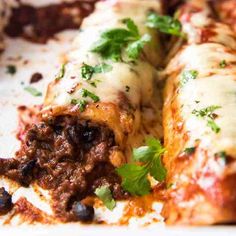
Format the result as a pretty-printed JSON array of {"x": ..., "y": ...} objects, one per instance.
[{"x": 70, "y": 158}]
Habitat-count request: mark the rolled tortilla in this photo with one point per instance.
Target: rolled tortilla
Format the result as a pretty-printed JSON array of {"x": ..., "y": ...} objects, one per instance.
[
  {"x": 126, "y": 90},
  {"x": 73, "y": 151},
  {"x": 200, "y": 122}
]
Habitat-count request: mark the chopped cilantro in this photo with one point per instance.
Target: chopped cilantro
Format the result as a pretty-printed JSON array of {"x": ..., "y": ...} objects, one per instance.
[
  {"x": 165, "y": 24},
  {"x": 189, "y": 150},
  {"x": 223, "y": 64},
  {"x": 113, "y": 41},
  {"x": 11, "y": 69},
  {"x": 104, "y": 193},
  {"x": 61, "y": 72},
  {"x": 208, "y": 113},
  {"x": 134, "y": 177},
  {"x": 80, "y": 103},
  {"x": 214, "y": 127},
  {"x": 33, "y": 91},
  {"x": 188, "y": 75},
  {"x": 222, "y": 155},
  {"x": 85, "y": 93},
  {"x": 87, "y": 71}
]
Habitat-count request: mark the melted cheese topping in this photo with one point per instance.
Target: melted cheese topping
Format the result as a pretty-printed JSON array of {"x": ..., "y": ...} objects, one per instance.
[
  {"x": 214, "y": 85},
  {"x": 137, "y": 77}
]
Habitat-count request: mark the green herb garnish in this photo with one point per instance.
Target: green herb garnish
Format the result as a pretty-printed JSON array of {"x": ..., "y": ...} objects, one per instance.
[
  {"x": 61, "y": 72},
  {"x": 11, "y": 69},
  {"x": 206, "y": 112},
  {"x": 104, "y": 193},
  {"x": 33, "y": 91},
  {"x": 135, "y": 177},
  {"x": 188, "y": 75},
  {"x": 87, "y": 71},
  {"x": 81, "y": 103},
  {"x": 85, "y": 93},
  {"x": 222, "y": 155},
  {"x": 223, "y": 64},
  {"x": 189, "y": 150},
  {"x": 209, "y": 114},
  {"x": 214, "y": 127},
  {"x": 113, "y": 41},
  {"x": 165, "y": 24}
]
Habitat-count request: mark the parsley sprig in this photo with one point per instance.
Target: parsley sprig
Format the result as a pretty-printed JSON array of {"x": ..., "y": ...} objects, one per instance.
[
  {"x": 209, "y": 114},
  {"x": 135, "y": 177},
  {"x": 165, "y": 24},
  {"x": 113, "y": 41}
]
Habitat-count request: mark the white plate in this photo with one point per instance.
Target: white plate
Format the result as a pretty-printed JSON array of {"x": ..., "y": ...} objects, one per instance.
[{"x": 46, "y": 60}]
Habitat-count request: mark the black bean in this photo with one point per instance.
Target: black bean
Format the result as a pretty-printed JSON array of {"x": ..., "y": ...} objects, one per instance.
[
  {"x": 83, "y": 212},
  {"x": 89, "y": 134},
  {"x": 27, "y": 169},
  {"x": 5, "y": 201}
]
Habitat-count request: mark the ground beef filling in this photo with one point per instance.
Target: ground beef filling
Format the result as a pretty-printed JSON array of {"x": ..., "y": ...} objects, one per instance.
[
  {"x": 70, "y": 158},
  {"x": 40, "y": 24}
]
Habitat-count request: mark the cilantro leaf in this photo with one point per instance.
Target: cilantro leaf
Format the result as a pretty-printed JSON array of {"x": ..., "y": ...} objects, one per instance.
[
  {"x": 157, "y": 170},
  {"x": 222, "y": 157},
  {"x": 134, "y": 49},
  {"x": 80, "y": 103},
  {"x": 188, "y": 75},
  {"x": 131, "y": 26},
  {"x": 87, "y": 71},
  {"x": 11, "y": 69},
  {"x": 214, "y": 127},
  {"x": 189, "y": 150},
  {"x": 33, "y": 91},
  {"x": 208, "y": 113},
  {"x": 104, "y": 193},
  {"x": 146, "y": 153},
  {"x": 135, "y": 177},
  {"x": 102, "y": 68},
  {"x": 112, "y": 42},
  {"x": 165, "y": 24},
  {"x": 223, "y": 64},
  {"x": 85, "y": 93},
  {"x": 61, "y": 72}
]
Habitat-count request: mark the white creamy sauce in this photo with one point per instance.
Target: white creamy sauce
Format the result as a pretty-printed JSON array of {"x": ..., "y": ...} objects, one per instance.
[
  {"x": 213, "y": 86},
  {"x": 138, "y": 78}
]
